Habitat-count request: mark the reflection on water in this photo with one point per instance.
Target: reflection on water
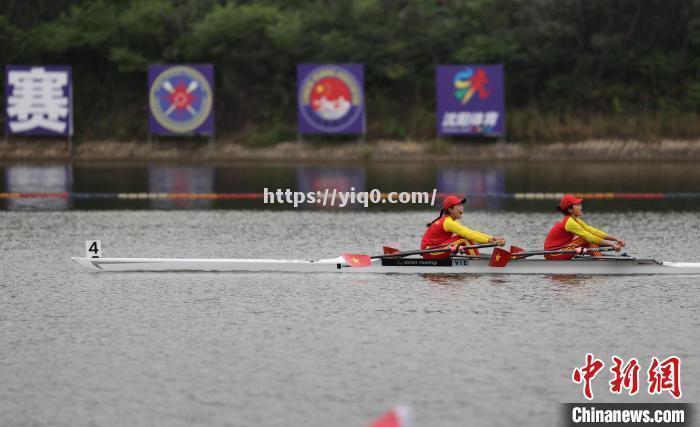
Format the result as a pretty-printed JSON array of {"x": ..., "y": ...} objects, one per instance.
[
  {"x": 49, "y": 180},
  {"x": 567, "y": 279},
  {"x": 240, "y": 186},
  {"x": 473, "y": 180},
  {"x": 270, "y": 349},
  {"x": 448, "y": 279},
  {"x": 318, "y": 179},
  {"x": 179, "y": 180}
]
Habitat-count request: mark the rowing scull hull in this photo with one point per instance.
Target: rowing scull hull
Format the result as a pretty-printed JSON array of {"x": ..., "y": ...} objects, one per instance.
[{"x": 403, "y": 265}]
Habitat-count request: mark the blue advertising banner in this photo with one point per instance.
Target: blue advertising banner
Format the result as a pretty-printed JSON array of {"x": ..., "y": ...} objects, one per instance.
[
  {"x": 39, "y": 100},
  {"x": 470, "y": 100},
  {"x": 181, "y": 99},
  {"x": 331, "y": 99}
]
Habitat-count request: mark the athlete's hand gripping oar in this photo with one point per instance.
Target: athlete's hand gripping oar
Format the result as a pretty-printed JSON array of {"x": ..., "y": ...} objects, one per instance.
[{"x": 363, "y": 260}]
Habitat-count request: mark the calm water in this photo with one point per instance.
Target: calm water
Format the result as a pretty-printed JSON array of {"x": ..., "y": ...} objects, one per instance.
[
  {"x": 79, "y": 348},
  {"x": 253, "y": 178}
]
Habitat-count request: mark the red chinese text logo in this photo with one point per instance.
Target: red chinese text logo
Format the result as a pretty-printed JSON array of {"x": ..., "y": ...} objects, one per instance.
[
  {"x": 661, "y": 376},
  {"x": 586, "y": 374},
  {"x": 665, "y": 375}
]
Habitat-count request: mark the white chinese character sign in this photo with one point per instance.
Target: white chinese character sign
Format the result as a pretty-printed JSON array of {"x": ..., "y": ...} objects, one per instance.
[
  {"x": 181, "y": 99},
  {"x": 39, "y": 100},
  {"x": 470, "y": 100}
]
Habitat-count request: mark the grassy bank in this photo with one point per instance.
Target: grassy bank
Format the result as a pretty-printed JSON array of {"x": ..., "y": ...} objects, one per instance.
[
  {"x": 529, "y": 125},
  {"x": 523, "y": 126}
]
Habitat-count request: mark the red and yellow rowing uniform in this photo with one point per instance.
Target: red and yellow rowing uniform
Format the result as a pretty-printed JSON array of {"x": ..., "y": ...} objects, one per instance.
[
  {"x": 447, "y": 232},
  {"x": 571, "y": 233}
]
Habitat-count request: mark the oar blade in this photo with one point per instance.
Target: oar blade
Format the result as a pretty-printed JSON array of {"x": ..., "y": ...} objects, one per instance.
[
  {"x": 391, "y": 248},
  {"x": 499, "y": 258},
  {"x": 357, "y": 260},
  {"x": 400, "y": 416},
  {"x": 516, "y": 250}
]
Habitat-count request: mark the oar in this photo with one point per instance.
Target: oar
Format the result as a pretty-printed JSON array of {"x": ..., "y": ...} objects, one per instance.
[
  {"x": 577, "y": 251},
  {"x": 501, "y": 257},
  {"x": 363, "y": 260},
  {"x": 452, "y": 249}
]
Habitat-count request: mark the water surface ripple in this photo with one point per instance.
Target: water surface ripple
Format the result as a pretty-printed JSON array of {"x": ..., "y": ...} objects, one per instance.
[{"x": 269, "y": 349}]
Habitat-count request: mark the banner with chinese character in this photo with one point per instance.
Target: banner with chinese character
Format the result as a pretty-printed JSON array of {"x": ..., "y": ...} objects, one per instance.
[
  {"x": 470, "y": 100},
  {"x": 331, "y": 99},
  {"x": 181, "y": 99},
  {"x": 39, "y": 100}
]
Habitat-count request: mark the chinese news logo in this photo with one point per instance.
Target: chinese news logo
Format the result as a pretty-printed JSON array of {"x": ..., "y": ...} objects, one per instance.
[{"x": 662, "y": 375}]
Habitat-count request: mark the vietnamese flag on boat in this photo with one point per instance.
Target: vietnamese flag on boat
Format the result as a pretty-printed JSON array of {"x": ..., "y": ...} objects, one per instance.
[
  {"x": 395, "y": 417},
  {"x": 357, "y": 260},
  {"x": 499, "y": 258}
]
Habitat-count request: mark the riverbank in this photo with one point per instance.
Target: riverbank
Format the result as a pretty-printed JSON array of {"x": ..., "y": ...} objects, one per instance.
[{"x": 402, "y": 151}]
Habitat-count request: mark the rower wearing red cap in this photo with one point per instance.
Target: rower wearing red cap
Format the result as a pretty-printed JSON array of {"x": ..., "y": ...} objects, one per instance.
[
  {"x": 572, "y": 233},
  {"x": 446, "y": 231}
]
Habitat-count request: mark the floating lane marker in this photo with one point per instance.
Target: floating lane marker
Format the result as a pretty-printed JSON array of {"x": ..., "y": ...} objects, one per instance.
[{"x": 34, "y": 195}]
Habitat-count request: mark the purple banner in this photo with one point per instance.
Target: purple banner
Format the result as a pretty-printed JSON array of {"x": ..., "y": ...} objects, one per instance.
[
  {"x": 181, "y": 99},
  {"x": 331, "y": 99},
  {"x": 470, "y": 100},
  {"x": 39, "y": 100}
]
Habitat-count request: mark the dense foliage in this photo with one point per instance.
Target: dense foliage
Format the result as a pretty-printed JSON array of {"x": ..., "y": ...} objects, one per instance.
[{"x": 574, "y": 68}]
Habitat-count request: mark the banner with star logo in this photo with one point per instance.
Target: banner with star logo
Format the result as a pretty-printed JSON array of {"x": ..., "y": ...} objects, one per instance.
[
  {"x": 330, "y": 99},
  {"x": 181, "y": 99},
  {"x": 470, "y": 100}
]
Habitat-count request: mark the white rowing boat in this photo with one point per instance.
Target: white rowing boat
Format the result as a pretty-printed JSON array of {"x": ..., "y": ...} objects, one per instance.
[{"x": 587, "y": 265}]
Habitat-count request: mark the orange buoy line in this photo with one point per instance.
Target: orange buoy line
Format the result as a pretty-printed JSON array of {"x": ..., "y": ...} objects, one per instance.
[{"x": 257, "y": 196}]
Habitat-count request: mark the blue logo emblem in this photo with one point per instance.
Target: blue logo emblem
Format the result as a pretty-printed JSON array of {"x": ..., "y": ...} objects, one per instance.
[
  {"x": 181, "y": 99},
  {"x": 330, "y": 99}
]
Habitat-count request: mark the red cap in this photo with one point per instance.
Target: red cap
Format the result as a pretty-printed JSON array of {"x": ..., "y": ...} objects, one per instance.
[
  {"x": 451, "y": 201},
  {"x": 568, "y": 200}
]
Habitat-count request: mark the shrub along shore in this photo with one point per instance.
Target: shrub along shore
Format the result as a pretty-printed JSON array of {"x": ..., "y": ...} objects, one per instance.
[
  {"x": 342, "y": 151},
  {"x": 574, "y": 71}
]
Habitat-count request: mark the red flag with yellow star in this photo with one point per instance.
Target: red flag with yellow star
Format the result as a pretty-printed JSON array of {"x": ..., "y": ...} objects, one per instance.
[
  {"x": 357, "y": 260},
  {"x": 499, "y": 258}
]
